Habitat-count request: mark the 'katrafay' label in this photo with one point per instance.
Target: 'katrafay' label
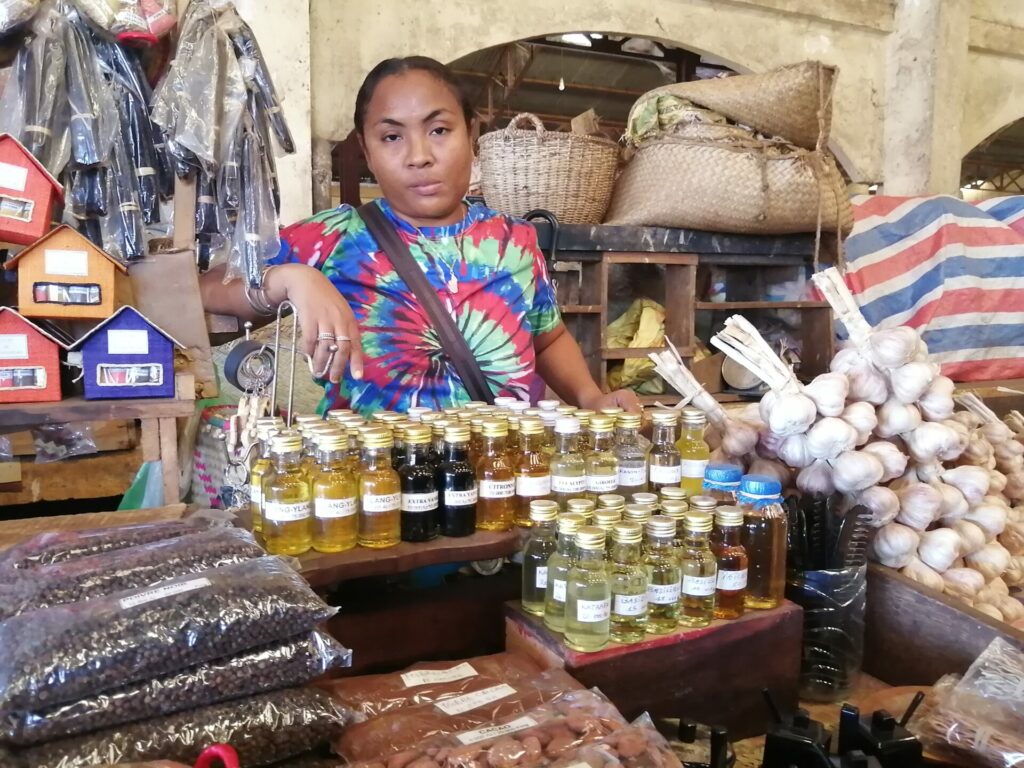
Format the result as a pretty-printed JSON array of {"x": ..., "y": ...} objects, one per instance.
[
  {"x": 434, "y": 676},
  {"x": 593, "y": 611},
  {"x": 541, "y": 581},
  {"x": 558, "y": 590}
]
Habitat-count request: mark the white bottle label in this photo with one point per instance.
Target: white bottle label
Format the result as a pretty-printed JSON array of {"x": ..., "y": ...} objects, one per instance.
[
  {"x": 602, "y": 483},
  {"x": 386, "y": 502},
  {"x": 494, "y": 731},
  {"x": 663, "y": 594},
  {"x": 533, "y": 486},
  {"x": 563, "y": 484},
  {"x": 434, "y": 676},
  {"x": 329, "y": 508},
  {"x": 279, "y": 512},
  {"x": 590, "y": 611},
  {"x": 630, "y": 477},
  {"x": 419, "y": 502},
  {"x": 558, "y": 590},
  {"x": 470, "y": 701},
  {"x": 666, "y": 475},
  {"x": 541, "y": 580},
  {"x": 630, "y": 605},
  {"x": 694, "y": 467},
  {"x": 460, "y": 498},
  {"x": 149, "y": 595},
  {"x": 732, "y": 581},
  {"x": 497, "y": 489},
  {"x": 699, "y": 586},
  {"x": 255, "y": 494}
]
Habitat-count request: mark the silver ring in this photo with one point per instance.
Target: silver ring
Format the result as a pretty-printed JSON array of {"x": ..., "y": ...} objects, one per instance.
[
  {"x": 332, "y": 351},
  {"x": 325, "y": 337}
]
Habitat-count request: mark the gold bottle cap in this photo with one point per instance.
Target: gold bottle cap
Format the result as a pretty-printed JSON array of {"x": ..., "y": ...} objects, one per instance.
[
  {"x": 476, "y": 424},
  {"x": 583, "y": 507},
  {"x": 394, "y": 418},
  {"x": 694, "y": 417},
  {"x": 548, "y": 405},
  {"x": 472, "y": 405},
  {"x": 661, "y": 527},
  {"x": 438, "y": 426},
  {"x": 616, "y": 412},
  {"x": 456, "y": 433},
  {"x": 727, "y": 517},
  {"x": 513, "y": 422},
  {"x": 584, "y": 415},
  {"x": 417, "y": 434},
  {"x": 494, "y": 428},
  {"x": 466, "y": 417},
  {"x": 431, "y": 417},
  {"x": 569, "y": 523},
  {"x": 600, "y": 423},
  {"x": 337, "y": 413},
  {"x": 531, "y": 427},
  {"x": 665, "y": 417},
  {"x": 627, "y": 533},
  {"x": 566, "y": 410},
  {"x": 638, "y": 513},
  {"x": 703, "y": 503},
  {"x": 628, "y": 420},
  {"x": 334, "y": 441},
  {"x": 378, "y": 415},
  {"x": 698, "y": 522},
  {"x": 417, "y": 411},
  {"x": 398, "y": 431},
  {"x": 674, "y": 509},
  {"x": 281, "y": 443},
  {"x": 649, "y": 499},
  {"x": 306, "y": 418},
  {"x": 567, "y": 425},
  {"x": 377, "y": 438},
  {"x": 543, "y": 511},
  {"x": 590, "y": 537},
  {"x": 672, "y": 492},
  {"x": 606, "y": 518},
  {"x": 532, "y": 413},
  {"x": 611, "y": 501},
  {"x": 452, "y": 413},
  {"x": 353, "y": 432}
]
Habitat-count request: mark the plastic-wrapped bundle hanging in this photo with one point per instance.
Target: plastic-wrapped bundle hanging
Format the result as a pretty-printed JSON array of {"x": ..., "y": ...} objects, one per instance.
[
  {"x": 263, "y": 729},
  {"x": 122, "y": 569},
  {"x": 259, "y": 122},
  {"x": 65, "y": 653},
  {"x": 285, "y": 664},
  {"x": 259, "y": 82},
  {"x": 124, "y": 233},
  {"x": 86, "y": 194},
  {"x": 13, "y": 13},
  {"x": 94, "y": 117},
  {"x": 256, "y": 236}
]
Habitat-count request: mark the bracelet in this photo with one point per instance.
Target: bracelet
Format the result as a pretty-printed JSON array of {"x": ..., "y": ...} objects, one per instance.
[{"x": 257, "y": 297}]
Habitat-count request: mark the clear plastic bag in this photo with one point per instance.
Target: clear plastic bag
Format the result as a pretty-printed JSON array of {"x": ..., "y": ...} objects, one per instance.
[
  {"x": 94, "y": 117},
  {"x": 56, "y": 442},
  {"x": 285, "y": 664},
  {"x": 993, "y": 686},
  {"x": 123, "y": 569},
  {"x": 61, "y": 654},
  {"x": 263, "y": 730},
  {"x": 14, "y": 13}
]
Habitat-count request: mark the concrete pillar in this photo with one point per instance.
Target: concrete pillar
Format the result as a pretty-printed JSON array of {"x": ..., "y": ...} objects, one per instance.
[{"x": 926, "y": 75}]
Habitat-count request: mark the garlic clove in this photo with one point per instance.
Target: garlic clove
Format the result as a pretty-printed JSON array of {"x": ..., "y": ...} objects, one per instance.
[
  {"x": 862, "y": 417},
  {"x": 996, "y": 432},
  {"x": 938, "y": 549},
  {"x": 771, "y": 468},
  {"x": 765, "y": 406},
  {"x": 972, "y": 537},
  {"x": 795, "y": 452},
  {"x": 991, "y": 518},
  {"x": 856, "y": 471},
  {"x": 964, "y": 583},
  {"x": 738, "y": 438},
  {"x": 930, "y": 441},
  {"x": 989, "y": 610},
  {"x": 1009, "y": 607},
  {"x": 791, "y": 414},
  {"x": 1012, "y": 538},
  {"x": 990, "y": 561},
  {"x": 954, "y": 505}
]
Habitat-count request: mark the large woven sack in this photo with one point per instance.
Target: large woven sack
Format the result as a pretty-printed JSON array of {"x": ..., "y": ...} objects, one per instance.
[
  {"x": 749, "y": 188},
  {"x": 793, "y": 102},
  {"x": 565, "y": 173}
]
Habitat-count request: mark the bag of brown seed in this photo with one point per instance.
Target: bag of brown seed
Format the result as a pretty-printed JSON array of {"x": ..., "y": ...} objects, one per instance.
[
  {"x": 132, "y": 568},
  {"x": 69, "y": 652},
  {"x": 263, "y": 730},
  {"x": 281, "y": 665}
]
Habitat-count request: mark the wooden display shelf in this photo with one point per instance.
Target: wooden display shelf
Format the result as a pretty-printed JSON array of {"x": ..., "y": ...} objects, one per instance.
[
  {"x": 19, "y": 416},
  {"x": 322, "y": 570},
  {"x": 580, "y": 309},
  {"x": 727, "y": 306},
  {"x": 632, "y": 353}
]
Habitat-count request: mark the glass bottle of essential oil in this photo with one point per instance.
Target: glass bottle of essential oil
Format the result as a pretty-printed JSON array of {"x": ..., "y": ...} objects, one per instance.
[
  {"x": 287, "y": 502},
  {"x": 669, "y": 493},
  {"x": 549, "y": 419},
  {"x": 588, "y": 600},
  {"x": 398, "y": 442},
  {"x": 354, "y": 455},
  {"x": 700, "y": 571},
  {"x": 663, "y": 576},
  {"x": 731, "y": 592},
  {"x": 476, "y": 438},
  {"x": 335, "y": 496},
  {"x": 456, "y": 480},
  {"x": 602, "y": 466},
  {"x": 419, "y": 487},
  {"x": 664, "y": 465},
  {"x": 676, "y": 510},
  {"x": 638, "y": 513},
  {"x": 558, "y": 571},
  {"x": 496, "y": 480},
  {"x": 694, "y": 452},
  {"x": 765, "y": 526},
  {"x": 568, "y": 467},
  {"x": 584, "y": 416},
  {"x": 722, "y": 483},
  {"x": 540, "y": 546},
  {"x": 259, "y": 468},
  {"x": 380, "y": 492},
  {"x": 632, "y": 458},
  {"x": 436, "y": 453},
  {"x": 514, "y": 440},
  {"x": 628, "y": 582},
  {"x": 533, "y": 473},
  {"x": 606, "y": 519},
  {"x": 566, "y": 410},
  {"x": 582, "y": 507}
]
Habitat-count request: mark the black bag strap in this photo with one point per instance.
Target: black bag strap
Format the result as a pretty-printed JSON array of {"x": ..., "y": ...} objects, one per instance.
[{"x": 452, "y": 341}]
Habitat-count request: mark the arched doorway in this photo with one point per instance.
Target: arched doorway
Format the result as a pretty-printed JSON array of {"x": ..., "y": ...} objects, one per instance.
[{"x": 995, "y": 167}]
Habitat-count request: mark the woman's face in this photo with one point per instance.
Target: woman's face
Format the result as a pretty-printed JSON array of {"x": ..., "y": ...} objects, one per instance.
[{"x": 417, "y": 145}]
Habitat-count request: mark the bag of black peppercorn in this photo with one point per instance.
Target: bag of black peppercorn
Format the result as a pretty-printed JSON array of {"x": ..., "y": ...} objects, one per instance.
[{"x": 65, "y": 653}]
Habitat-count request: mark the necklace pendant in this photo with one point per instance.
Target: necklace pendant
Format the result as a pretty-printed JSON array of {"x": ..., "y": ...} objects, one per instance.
[{"x": 453, "y": 284}]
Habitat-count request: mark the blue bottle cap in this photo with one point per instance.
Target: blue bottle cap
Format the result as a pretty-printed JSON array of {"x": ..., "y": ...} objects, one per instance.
[
  {"x": 760, "y": 485},
  {"x": 722, "y": 473}
]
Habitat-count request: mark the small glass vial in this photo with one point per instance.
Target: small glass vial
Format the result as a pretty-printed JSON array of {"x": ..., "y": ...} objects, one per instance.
[
  {"x": 664, "y": 465},
  {"x": 632, "y": 458},
  {"x": 602, "y": 466},
  {"x": 287, "y": 501},
  {"x": 693, "y": 451},
  {"x": 513, "y": 441},
  {"x": 584, "y": 416},
  {"x": 588, "y": 594},
  {"x": 558, "y": 572},
  {"x": 437, "y": 427},
  {"x": 638, "y": 513},
  {"x": 700, "y": 571},
  {"x": 582, "y": 507},
  {"x": 628, "y": 581},
  {"x": 663, "y": 576},
  {"x": 765, "y": 526},
  {"x": 677, "y": 511},
  {"x": 670, "y": 493},
  {"x": 649, "y": 500},
  {"x": 264, "y": 431},
  {"x": 533, "y": 473},
  {"x": 722, "y": 483},
  {"x": 476, "y": 436},
  {"x": 605, "y": 519},
  {"x": 568, "y": 467},
  {"x": 380, "y": 492},
  {"x": 731, "y": 593},
  {"x": 496, "y": 480},
  {"x": 420, "y": 499},
  {"x": 335, "y": 496},
  {"x": 611, "y": 501},
  {"x": 456, "y": 483},
  {"x": 541, "y": 543},
  {"x": 549, "y": 419}
]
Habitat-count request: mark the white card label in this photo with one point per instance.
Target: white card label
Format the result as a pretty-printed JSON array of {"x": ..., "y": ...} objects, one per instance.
[
  {"x": 165, "y": 591},
  {"x": 60, "y": 262},
  {"x": 732, "y": 581},
  {"x": 434, "y": 676},
  {"x": 494, "y": 731},
  {"x": 630, "y": 477},
  {"x": 460, "y": 498},
  {"x": 121, "y": 342},
  {"x": 533, "y": 486},
  {"x": 602, "y": 483},
  {"x": 694, "y": 468},
  {"x": 419, "y": 502},
  {"x": 699, "y": 586},
  {"x": 558, "y": 590},
  {"x": 563, "y": 484},
  {"x": 326, "y": 509},
  {"x": 13, "y": 177},
  {"x": 497, "y": 489},
  {"x": 385, "y": 502},
  {"x": 630, "y": 605},
  {"x": 593, "y": 611},
  {"x": 666, "y": 475},
  {"x": 468, "y": 701},
  {"x": 13, "y": 346},
  {"x": 280, "y": 512},
  {"x": 541, "y": 580},
  {"x": 663, "y": 594}
]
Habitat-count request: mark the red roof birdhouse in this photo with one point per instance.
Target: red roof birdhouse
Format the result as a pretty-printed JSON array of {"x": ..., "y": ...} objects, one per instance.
[
  {"x": 29, "y": 361},
  {"x": 27, "y": 194}
]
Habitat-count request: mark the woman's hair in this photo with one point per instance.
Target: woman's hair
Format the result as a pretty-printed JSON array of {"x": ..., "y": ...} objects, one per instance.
[{"x": 390, "y": 67}]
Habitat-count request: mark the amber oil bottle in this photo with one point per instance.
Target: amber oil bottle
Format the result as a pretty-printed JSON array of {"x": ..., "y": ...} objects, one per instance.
[
  {"x": 700, "y": 571},
  {"x": 533, "y": 472},
  {"x": 731, "y": 592},
  {"x": 335, "y": 495},
  {"x": 287, "y": 501},
  {"x": 379, "y": 492},
  {"x": 496, "y": 479}
]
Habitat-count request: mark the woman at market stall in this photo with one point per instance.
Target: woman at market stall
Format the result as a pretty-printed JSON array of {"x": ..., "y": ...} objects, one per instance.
[{"x": 362, "y": 325}]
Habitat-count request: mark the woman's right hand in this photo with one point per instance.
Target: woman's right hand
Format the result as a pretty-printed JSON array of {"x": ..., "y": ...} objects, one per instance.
[{"x": 320, "y": 311}]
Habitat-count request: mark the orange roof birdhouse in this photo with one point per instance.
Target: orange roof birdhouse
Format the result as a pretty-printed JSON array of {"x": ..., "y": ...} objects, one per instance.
[{"x": 28, "y": 193}]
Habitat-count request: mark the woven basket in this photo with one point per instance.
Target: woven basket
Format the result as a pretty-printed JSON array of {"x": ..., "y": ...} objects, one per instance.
[
  {"x": 570, "y": 175},
  {"x": 747, "y": 188}
]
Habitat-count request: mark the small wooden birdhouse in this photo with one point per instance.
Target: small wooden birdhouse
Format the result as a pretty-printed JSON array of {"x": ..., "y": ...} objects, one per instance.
[
  {"x": 28, "y": 194},
  {"x": 63, "y": 275},
  {"x": 127, "y": 356},
  {"x": 29, "y": 361}
]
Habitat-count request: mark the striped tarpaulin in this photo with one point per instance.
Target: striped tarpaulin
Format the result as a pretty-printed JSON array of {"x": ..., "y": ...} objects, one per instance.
[{"x": 953, "y": 269}]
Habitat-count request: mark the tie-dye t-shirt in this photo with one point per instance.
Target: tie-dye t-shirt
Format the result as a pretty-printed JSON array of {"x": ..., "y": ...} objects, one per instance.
[{"x": 488, "y": 272}]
